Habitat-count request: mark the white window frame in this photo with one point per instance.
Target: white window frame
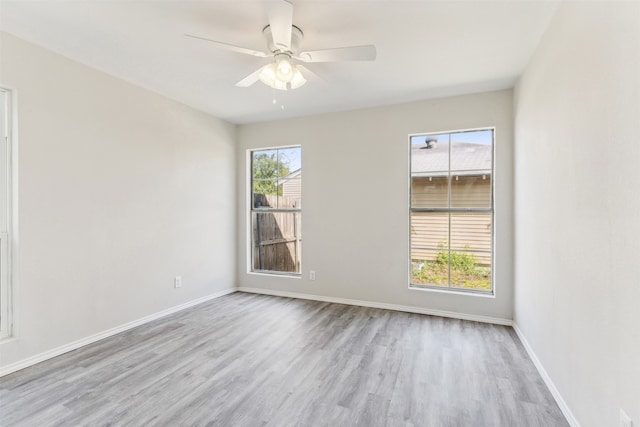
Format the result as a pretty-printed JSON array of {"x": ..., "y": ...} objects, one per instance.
[
  {"x": 250, "y": 210},
  {"x": 411, "y": 209},
  {"x": 7, "y": 180}
]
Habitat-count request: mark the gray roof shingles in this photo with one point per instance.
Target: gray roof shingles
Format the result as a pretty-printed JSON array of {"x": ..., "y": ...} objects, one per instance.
[{"x": 465, "y": 157}]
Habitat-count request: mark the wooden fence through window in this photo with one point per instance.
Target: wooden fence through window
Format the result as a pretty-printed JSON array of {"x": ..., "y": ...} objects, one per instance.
[{"x": 277, "y": 236}]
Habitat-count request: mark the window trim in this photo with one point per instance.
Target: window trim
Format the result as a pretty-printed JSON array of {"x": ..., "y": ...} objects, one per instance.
[
  {"x": 8, "y": 227},
  {"x": 250, "y": 210},
  {"x": 448, "y": 289}
]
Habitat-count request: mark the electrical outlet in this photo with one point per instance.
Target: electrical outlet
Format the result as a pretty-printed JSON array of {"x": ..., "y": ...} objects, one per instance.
[
  {"x": 625, "y": 420},
  {"x": 177, "y": 282},
  {"x": 312, "y": 275}
]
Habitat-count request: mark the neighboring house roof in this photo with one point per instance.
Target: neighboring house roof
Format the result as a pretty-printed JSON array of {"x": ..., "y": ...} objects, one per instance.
[
  {"x": 292, "y": 175},
  {"x": 466, "y": 159}
]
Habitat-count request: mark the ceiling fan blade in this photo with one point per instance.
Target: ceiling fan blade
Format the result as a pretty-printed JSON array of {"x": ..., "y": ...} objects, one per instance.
[
  {"x": 280, "y": 13},
  {"x": 352, "y": 53},
  {"x": 250, "y": 79},
  {"x": 231, "y": 47}
]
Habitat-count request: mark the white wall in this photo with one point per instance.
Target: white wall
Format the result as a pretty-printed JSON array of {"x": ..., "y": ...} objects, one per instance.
[
  {"x": 577, "y": 208},
  {"x": 120, "y": 190},
  {"x": 355, "y": 200}
]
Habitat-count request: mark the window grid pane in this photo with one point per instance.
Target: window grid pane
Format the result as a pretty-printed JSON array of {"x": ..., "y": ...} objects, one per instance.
[
  {"x": 276, "y": 217},
  {"x": 452, "y": 210},
  {"x": 470, "y": 270},
  {"x": 276, "y": 241},
  {"x": 430, "y": 267}
]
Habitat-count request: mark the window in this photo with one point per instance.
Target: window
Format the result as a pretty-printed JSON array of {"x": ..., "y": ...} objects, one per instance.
[
  {"x": 276, "y": 210},
  {"x": 5, "y": 212},
  {"x": 451, "y": 210}
]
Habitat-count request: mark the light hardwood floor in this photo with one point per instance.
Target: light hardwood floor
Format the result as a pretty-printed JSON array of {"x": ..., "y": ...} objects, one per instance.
[{"x": 255, "y": 360}]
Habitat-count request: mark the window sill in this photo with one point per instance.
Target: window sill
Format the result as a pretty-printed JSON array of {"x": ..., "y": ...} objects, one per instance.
[
  {"x": 284, "y": 275},
  {"x": 8, "y": 339},
  {"x": 449, "y": 291}
]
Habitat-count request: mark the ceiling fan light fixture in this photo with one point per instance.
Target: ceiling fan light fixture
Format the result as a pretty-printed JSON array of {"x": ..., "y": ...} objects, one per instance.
[
  {"x": 280, "y": 85},
  {"x": 271, "y": 76},
  {"x": 298, "y": 79},
  {"x": 284, "y": 69}
]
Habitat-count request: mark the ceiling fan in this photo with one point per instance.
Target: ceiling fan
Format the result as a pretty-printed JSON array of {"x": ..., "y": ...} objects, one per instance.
[{"x": 283, "y": 41}]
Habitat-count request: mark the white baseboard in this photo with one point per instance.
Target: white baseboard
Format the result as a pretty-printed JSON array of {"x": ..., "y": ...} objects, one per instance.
[
  {"x": 21, "y": 364},
  {"x": 571, "y": 419},
  {"x": 394, "y": 307}
]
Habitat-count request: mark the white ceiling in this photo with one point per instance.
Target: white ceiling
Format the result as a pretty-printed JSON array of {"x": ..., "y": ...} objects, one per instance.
[{"x": 426, "y": 49}]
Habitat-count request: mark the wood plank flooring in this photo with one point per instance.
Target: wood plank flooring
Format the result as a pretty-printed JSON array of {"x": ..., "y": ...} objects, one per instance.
[{"x": 255, "y": 360}]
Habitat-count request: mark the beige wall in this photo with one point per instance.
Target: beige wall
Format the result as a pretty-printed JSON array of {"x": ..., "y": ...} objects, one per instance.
[
  {"x": 355, "y": 220},
  {"x": 577, "y": 294},
  {"x": 120, "y": 190}
]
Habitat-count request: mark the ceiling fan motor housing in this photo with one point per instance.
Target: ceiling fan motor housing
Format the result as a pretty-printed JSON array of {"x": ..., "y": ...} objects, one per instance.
[{"x": 296, "y": 37}]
